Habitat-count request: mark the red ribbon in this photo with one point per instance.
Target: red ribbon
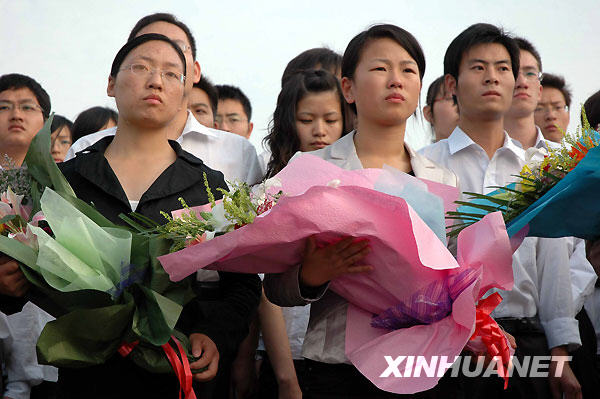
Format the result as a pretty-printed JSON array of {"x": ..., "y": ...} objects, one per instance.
[
  {"x": 180, "y": 365},
  {"x": 491, "y": 334}
]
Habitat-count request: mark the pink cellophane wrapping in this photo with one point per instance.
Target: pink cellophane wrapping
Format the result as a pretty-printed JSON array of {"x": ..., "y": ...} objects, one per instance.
[{"x": 406, "y": 256}]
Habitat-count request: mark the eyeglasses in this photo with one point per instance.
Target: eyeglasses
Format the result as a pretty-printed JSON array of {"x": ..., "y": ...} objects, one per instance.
[
  {"x": 168, "y": 77},
  {"x": 231, "y": 120},
  {"x": 547, "y": 108},
  {"x": 27, "y": 108},
  {"x": 531, "y": 76},
  {"x": 182, "y": 45}
]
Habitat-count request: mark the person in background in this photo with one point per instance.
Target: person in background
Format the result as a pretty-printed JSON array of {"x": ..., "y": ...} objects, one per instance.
[
  {"x": 24, "y": 107},
  {"x": 93, "y": 120},
  {"x": 203, "y": 102},
  {"x": 61, "y": 137},
  {"x": 234, "y": 112},
  {"x": 592, "y": 110},
  {"x": 520, "y": 126},
  {"x": 309, "y": 115},
  {"x": 552, "y": 111},
  {"x": 440, "y": 110}
]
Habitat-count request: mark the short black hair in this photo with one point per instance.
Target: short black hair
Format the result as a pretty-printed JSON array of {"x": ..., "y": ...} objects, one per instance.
[
  {"x": 15, "y": 81},
  {"x": 321, "y": 56},
  {"x": 168, "y": 18},
  {"x": 227, "y": 92},
  {"x": 471, "y": 37},
  {"x": 557, "y": 82},
  {"x": 356, "y": 46},
  {"x": 92, "y": 120},
  {"x": 59, "y": 121},
  {"x": 139, "y": 40},
  {"x": 592, "y": 109},
  {"x": 525, "y": 45},
  {"x": 211, "y": 91}
]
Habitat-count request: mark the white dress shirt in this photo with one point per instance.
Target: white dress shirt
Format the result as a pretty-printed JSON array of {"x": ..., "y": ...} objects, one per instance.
[
  {"x": 541, "y": 265},
  {"x": 223, "y": 151},
  {"x": 583, "y": 276}
]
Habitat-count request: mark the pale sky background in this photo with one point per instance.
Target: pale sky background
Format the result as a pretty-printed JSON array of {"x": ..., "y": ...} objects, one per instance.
[{"x": 68, "y": 46}]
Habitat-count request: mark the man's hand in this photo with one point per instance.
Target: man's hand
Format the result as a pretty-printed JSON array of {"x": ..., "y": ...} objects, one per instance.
[
  {"x": 565, "y": 383},
  {"x": 12, "y": 280},
  {"x": 320, "y": 265},
  {"x": 204, "y": 348}
]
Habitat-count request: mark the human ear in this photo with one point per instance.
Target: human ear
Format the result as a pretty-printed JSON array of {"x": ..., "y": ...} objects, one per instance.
[
  {"x": 197, "y": 72},
  {"x": 450, "y": 84},
  {"x": 110, "y": 88},
  {"x": 347, "y": 90},
  {"x": 427, "y": 113}
]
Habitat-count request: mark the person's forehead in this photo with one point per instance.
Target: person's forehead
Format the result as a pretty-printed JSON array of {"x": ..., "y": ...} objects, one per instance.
[
  {"x": 171, "y": 31},
  {"x": 199, "y": 94},
  {"x": 230, "y": 105},
  {"x": 22, "y": 94},
  {"x": 155, "y": 51},
  {"x": 492, "y": 52},
  {"x": 552, "y": 94},
  {"x": 527, "y": 60}
]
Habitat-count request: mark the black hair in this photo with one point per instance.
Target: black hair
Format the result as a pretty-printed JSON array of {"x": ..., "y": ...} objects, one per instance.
[
  {"x": 227, "y": 92},
  {"x": 592, "y": 110},
  {"x": 92, "y": 120},
  {"x": 437, "y": 86},
  {"x": 15, "y": 81},
  {"x": 471, "y": 37},
  {"x": 356, "y": 46},
  {"x": 282, "y": 138},
  {"x": 211, "y": 91},
  {"x": 525, "y": 45},
  {"x": 139, "y": 40},
  {"x": 59, "y": 121},
  {"x": 557, "y": 82},
  {"x": 322, "y": 57},
  {"x": 168, "y": 18}
]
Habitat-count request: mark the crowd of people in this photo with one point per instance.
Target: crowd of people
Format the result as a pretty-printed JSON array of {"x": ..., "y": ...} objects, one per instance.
[{"x": 285, "y": 337}]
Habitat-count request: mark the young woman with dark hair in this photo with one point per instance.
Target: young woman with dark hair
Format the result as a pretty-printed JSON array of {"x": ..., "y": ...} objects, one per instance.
[
  {"x": 440, "y": 110},
  {"x": 309, "y": 115},
  {"x": 61, "y": 138},
  {"x": 139, "y": 169},
  {"x": 382, "y": 71}
]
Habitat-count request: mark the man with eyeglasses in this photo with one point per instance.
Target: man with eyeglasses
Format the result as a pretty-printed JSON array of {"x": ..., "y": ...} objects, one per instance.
[
  {"x": 24, "y": 107},
  {"x": 234, "y": 111},
  {"x": 552, "y": 112}
]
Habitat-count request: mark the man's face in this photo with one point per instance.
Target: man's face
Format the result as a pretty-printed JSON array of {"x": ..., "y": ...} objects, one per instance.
[
  {"x": 528, "y": 90},
  {"x": 20, "y": 118},
  {"x": 485, "y": 84},
  {"x": 231, "y": 117},
  {"x": 199, "y": 104},
  {"x": 552, "y": 114},
  {"x": 175, "y": 33}
]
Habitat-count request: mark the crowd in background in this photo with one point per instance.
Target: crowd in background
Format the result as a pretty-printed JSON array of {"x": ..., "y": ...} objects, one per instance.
[{"x": 286, "y": 339}]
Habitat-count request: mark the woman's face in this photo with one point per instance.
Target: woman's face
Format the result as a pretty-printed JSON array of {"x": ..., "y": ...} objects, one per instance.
[
  {"x": 445, "y": 116},
  {"x": 386, "y": 83},
  {"x": 319, "y": 120},
  {"x": 61, "y": 140},
  {"x": 147, "y": 89}
]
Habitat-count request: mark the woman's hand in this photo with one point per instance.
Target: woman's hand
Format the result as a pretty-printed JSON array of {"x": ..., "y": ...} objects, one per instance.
[
  {"x": 320, "y": 265},
  {"x": 12, "y": 280},
  {"x": 204, "y": 348}
]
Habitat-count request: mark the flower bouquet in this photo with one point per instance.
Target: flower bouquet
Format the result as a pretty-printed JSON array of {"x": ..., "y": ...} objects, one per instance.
[
  {"x": 101, "y": 281},
  {"x": 418, "y": 300},
  {"x": 554, "y": 195}
]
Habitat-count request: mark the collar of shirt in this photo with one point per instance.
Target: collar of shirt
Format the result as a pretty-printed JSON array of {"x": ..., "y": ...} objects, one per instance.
[
  {"x": 183, "y": 172},
  {"x": 192, "y": 126},
  {"x": 460, "y": 140}
]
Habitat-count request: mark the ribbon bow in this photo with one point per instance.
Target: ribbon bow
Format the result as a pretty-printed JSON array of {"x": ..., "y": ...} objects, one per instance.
[
  {"x": 491, "y": 334},
  {"x": 181, "y": 367}
]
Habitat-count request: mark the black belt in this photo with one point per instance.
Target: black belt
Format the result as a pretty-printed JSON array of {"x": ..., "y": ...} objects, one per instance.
[{"x": 520, "y": 325}]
